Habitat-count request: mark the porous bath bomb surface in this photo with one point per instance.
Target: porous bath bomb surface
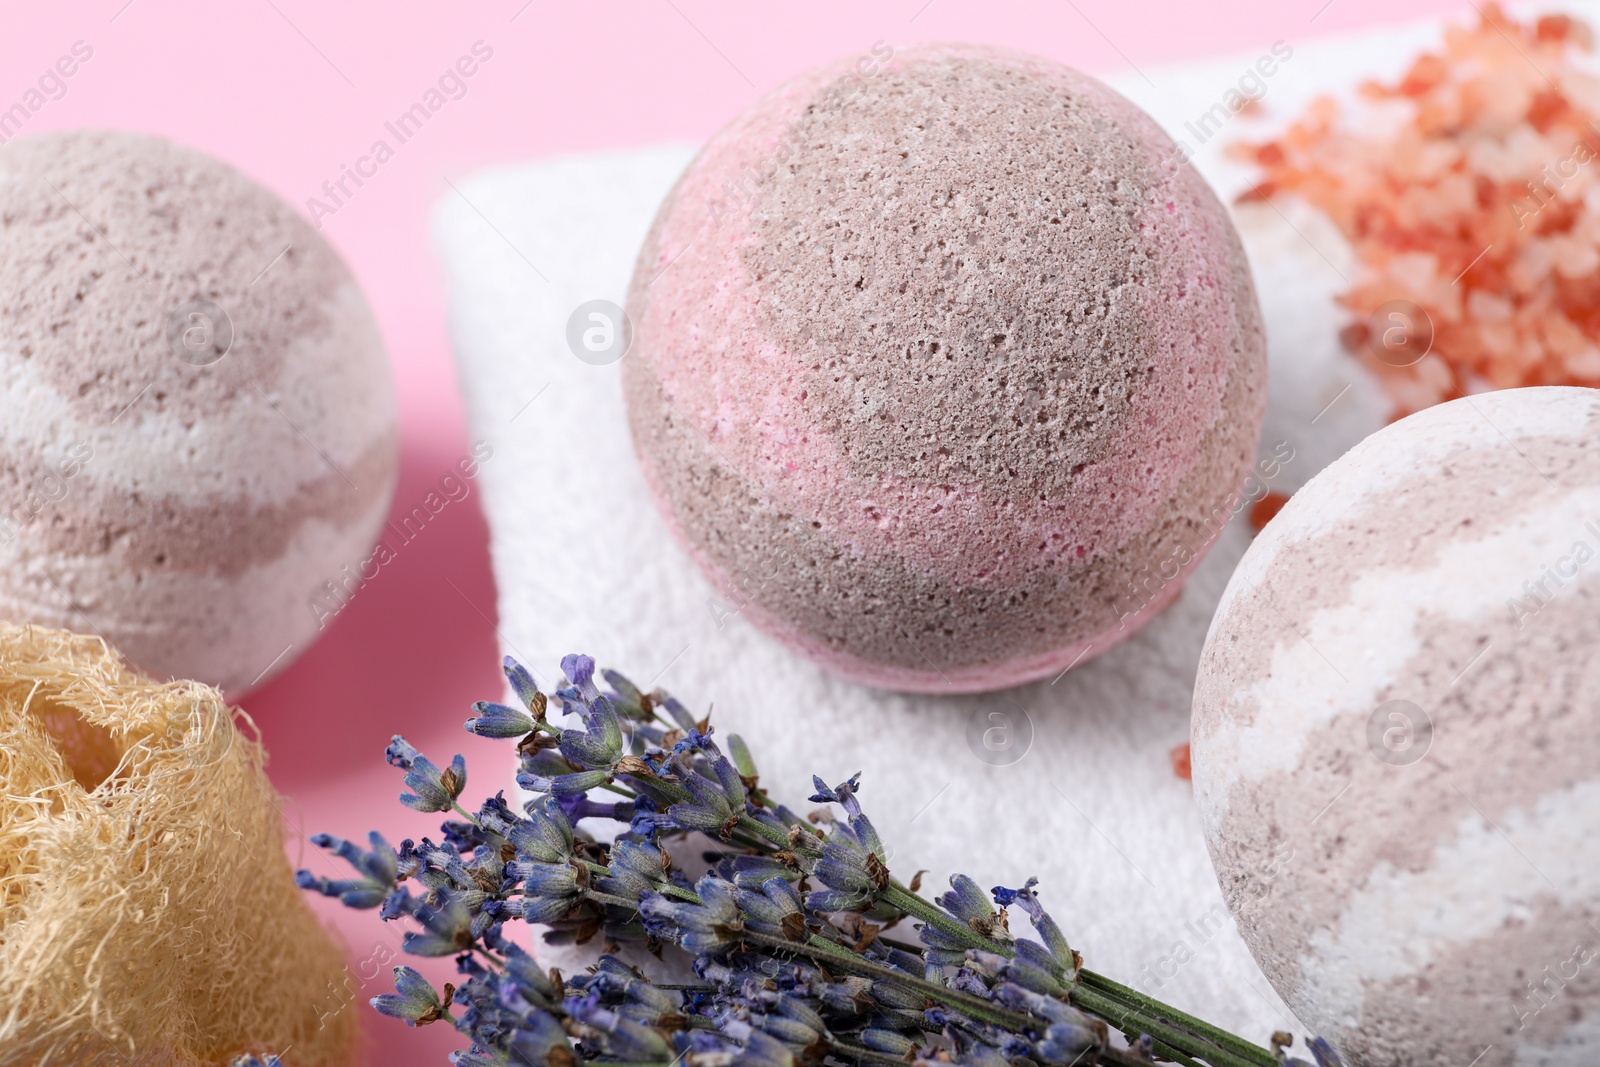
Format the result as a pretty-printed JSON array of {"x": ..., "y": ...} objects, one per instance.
[
  {"x": 1396, "y": 739},
  {"x": 942, "y": 369},
  {"x": 185, "y": 503}
]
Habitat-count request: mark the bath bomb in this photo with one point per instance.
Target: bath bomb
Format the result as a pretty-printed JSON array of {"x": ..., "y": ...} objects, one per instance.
[
  {"x": 944, "y": 368},
  {"x": 1396, "y": 739},
  {"x": 197, "y": 423}
]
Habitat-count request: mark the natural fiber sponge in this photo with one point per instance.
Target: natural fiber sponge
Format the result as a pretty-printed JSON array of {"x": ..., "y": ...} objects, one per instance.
[
  {"x": 148, "y": 914},
  {"x": 1396, "y": 740},
  {"x": 197, "y": 423},
  {"x": 943, "y": 369}
]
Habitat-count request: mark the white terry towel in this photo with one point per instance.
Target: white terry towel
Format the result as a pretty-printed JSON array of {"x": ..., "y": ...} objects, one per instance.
[{"x": 583, "y": 563}]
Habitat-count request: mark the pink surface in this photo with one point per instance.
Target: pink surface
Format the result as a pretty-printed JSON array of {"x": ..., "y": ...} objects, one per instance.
[{"x": 292, "y": 91}]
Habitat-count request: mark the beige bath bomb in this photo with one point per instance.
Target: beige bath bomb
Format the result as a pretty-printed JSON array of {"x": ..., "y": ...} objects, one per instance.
[
  {"x": 197, "y": 423},
  {"x": 1396, "y": 739}
]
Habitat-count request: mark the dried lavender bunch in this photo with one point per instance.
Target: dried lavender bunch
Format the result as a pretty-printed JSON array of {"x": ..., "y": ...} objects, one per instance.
[{"x": 787, "y": 931}]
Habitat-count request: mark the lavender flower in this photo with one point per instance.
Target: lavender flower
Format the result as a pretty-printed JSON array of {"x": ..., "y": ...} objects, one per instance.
[
  {"x": 549, "y": 890},
  {"x": 1061, "y": 955},
  {"x": 525, "y": 687},
  {"x": 621, "y": 987},
  {"x": 787, "y": 976},
  {"x": 638, "y": 866},
  {"x": 968, "y": 904},
  {"x": 704, "y": 928},
  {"x": 619, "y": 1037},
  {"x": 545, "y": 835},
  {"x": 776, "y": 911},
  {"x": 575, "y": 783},
  {"x": 715, "y": 802},
  {"x": 413, "y": 999},
  {"x": 852, "y": 863},
  {"x": 499, "y": 720},
  {"x": 436, "y": 790},
  {"x": 447, "y": 928},
  {"x": 378, "y": 869}
]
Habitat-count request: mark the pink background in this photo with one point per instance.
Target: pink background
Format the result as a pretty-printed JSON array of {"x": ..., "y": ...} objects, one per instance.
[{"x": 291, "y": 90}]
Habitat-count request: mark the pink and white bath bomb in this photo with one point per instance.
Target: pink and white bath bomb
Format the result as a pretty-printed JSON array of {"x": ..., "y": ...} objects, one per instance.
[
  {"x": 944, "y": 369},
  {"x": 197, "y": 423},
  {"x": 1396, "y": 739}
]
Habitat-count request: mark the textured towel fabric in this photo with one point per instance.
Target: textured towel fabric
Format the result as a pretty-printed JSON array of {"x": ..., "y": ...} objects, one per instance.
[{"x": 1093, "y": 807}]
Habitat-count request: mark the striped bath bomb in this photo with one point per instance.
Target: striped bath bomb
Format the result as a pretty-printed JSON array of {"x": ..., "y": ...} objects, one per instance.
[
  {"x": 197, "y": 423},
  {"x": 1397, "y": 739},
  {"x": 944, "y": 368}
]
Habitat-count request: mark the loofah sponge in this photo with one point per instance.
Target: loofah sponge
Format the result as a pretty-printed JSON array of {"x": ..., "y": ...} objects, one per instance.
[{"x": 147, "y": 913}]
